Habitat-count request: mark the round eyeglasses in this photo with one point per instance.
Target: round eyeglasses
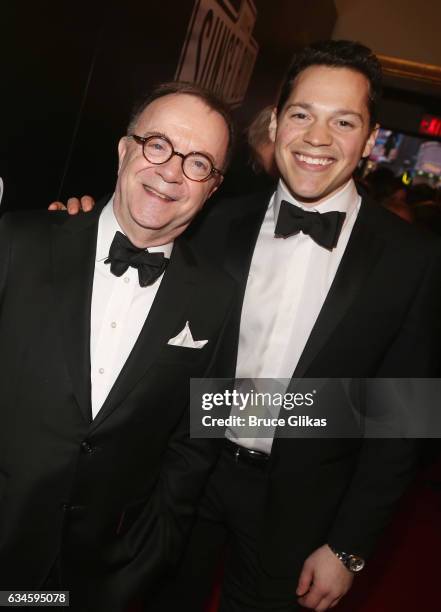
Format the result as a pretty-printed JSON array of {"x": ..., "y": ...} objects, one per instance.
[{"x": 158, "y": 150}]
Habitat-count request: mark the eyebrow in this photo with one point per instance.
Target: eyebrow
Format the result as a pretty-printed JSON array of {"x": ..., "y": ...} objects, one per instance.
[
  {"x": 339, "y": 112},
  {"x": 161, "y": 134}
]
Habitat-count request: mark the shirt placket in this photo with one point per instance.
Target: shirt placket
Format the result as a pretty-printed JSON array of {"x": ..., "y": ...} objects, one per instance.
[{"x": 112, "y": 329}]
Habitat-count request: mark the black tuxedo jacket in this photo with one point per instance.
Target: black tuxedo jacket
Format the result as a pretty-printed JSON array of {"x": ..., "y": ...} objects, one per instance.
[
  {"x": 381, "y": 318},
  {"x": 109, "y": 498}
]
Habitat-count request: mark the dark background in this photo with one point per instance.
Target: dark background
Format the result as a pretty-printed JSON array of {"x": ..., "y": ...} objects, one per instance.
[
  {"x": 72, "y": 70},
  {"x": 77, "y": 67}
]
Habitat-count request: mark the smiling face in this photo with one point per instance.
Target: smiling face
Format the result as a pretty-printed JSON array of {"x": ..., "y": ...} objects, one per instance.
[
  {"x": 155, "y": 203},
  {"x": 322, "y": 132}
]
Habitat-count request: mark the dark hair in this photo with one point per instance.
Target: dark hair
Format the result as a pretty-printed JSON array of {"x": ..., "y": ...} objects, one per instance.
[
  {"x": 214, "y": 102},
  {"x": 337, "y": 54}
]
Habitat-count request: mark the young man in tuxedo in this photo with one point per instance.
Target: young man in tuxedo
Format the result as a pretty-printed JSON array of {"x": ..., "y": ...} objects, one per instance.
[
  {"x": 331, "y": 286},
  {"x": 104, "y": 318}
]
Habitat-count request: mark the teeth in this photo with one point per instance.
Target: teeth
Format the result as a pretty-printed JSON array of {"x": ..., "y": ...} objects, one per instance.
[
  {"x": 315, "y": 161},
  {"x": 156, "y": 193}
]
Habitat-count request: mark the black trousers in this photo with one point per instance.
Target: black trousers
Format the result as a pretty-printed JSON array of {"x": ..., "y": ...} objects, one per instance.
[{"x": 226, "y": 533}]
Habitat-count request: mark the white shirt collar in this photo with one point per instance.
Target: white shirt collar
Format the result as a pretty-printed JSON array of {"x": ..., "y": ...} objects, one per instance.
[
  {"x": 108, "y": 226},
  {"x": 346, "y": 200}
]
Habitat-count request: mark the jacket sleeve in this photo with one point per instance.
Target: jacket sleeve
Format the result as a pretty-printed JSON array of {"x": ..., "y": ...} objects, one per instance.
[
  {"x": 386, "y": 466},
  {"x": 189, "y": 460},
  {"x": 5, "y": 248}
]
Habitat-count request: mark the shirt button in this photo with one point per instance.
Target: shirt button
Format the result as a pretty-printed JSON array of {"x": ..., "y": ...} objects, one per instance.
[
  {"x": 101, "y": 370},
  {"x": 126, "y": 279},
  {"x": 113, "y": 324}
]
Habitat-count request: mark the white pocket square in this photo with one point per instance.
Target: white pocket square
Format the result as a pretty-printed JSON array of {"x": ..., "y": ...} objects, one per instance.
[{"x": 185, "y": 338}]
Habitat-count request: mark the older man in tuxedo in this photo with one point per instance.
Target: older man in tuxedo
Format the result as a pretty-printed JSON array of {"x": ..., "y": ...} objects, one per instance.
[{"x": 104, "y": 318}]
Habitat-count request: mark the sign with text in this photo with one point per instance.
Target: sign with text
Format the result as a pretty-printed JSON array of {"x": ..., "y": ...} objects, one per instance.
[{"x": 219, "y": 51}]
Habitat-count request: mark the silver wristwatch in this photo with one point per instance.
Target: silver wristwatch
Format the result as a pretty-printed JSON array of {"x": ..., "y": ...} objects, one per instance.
[{"x": 353, "y": 563}]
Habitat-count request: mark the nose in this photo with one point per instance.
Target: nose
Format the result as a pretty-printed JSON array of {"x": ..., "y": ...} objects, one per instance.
[
  {"x": 171, "y": 170},
  {"x": 318, "y": 134}
]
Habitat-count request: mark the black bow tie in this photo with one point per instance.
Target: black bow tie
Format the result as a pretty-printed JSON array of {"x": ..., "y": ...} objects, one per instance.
[
  {"x": 324, "y": 228},
  {"x": 123, "y": 254}
]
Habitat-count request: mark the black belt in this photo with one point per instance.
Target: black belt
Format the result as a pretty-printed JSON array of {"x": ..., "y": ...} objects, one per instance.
[{"x": 246, "y": 455}]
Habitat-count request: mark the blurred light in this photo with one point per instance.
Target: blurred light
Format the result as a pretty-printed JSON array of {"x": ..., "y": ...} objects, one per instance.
[
  {"x": 406, "y": 179},
  {"x": 430, "y": 125}
]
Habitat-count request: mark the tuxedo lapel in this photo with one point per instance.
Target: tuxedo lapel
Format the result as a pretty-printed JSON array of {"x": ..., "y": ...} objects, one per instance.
[
  {"x": 74, "y": 247},
  {"x": 166, "y": 312},
  {"x": 241, "y": 241},
  {"x": 362, "y": 253}
]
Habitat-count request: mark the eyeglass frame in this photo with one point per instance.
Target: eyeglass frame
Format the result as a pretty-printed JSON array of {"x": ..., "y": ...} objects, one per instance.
[{"x": 141, "y": 140}]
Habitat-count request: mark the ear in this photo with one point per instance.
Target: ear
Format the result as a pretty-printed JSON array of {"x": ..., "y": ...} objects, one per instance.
[
  {"x": 371, "y": 141},
  {"x": 216, "y": 186},
  {"x": 272, "y": 128},
  {"x": 122, "y": 150}
]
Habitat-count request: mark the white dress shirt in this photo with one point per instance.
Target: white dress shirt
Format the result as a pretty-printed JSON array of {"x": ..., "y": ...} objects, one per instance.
[
  {"x": 119, "y": 309},
  {"x": 288, "y": 282}
]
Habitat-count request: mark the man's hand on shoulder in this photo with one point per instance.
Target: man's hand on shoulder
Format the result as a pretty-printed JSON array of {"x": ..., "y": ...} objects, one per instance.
[
  {"x": 323, "y": 580},
  {"x": 74, "y": 205}
]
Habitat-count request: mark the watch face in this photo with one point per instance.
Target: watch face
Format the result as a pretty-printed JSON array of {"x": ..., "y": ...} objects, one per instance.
[{"x": 355, "y": 563}]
